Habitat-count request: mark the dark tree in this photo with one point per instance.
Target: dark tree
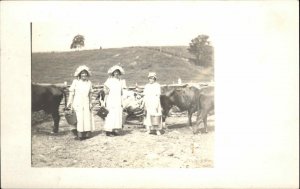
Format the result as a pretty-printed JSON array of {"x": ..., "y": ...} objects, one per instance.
[
  {"x": 78, "y": 42},
  {"x": 201, "y": 49}
]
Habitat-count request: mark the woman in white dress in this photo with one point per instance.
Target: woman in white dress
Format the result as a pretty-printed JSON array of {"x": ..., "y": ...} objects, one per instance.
[
  {"x": 80, "y": 100},
  {"x": 152, "y": 105},
  {"x": 113, "y": 101}
]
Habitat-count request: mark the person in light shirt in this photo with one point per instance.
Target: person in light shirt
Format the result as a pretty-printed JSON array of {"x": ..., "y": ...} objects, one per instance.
[
  {"x": 152, "y": 105},
  {"x": 113, "y": 88},
  {"x": 80, "y": 99}
]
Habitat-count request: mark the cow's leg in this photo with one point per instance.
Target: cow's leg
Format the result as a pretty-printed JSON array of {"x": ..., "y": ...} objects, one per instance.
[
  {"x": 55, "y": 116},
  {"x": 205, "y": 122},
  {"x": 202, "y": 116},
  {"x": 198, "y": 121},
  {"x": 190, "y": 117},
  {"x": 164, "y": 122}
]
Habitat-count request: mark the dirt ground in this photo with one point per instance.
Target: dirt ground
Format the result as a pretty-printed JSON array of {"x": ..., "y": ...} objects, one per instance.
[{"x": 177, "y": 147}]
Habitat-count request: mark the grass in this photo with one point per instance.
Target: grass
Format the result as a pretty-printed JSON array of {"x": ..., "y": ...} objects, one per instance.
[{"x": 57, "y": 67}]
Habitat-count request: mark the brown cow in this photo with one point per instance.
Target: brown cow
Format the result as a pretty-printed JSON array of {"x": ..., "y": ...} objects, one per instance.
[{"x": 190, "y": 99}]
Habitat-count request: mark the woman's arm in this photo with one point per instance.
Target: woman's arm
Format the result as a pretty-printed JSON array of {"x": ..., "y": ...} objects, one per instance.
[
  {"x": 106, "y": 92},
  {"x": 71, "y": 94},
  {"x": 90, "y": 96}
]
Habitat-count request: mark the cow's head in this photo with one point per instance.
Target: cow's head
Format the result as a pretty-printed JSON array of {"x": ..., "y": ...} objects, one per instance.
[
  {"x": 166, "y": 105},
  {"x": 174, "y": 94}
]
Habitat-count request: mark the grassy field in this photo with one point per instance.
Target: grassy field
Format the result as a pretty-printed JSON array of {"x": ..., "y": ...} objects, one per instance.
[{"x": 57, "y": 67}]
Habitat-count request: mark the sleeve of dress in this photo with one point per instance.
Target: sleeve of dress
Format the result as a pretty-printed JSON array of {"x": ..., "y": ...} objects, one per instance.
[
  {"x": 145, "y": 90},
  {"x": 91, "y": 87},
  {"x": 91, "y": 91},
  {"x": 106, "y": 86},
  {"x": 158, "y": 90},
  {"x": 72, "y": 87},
  {"x": 71, "y": 92}
]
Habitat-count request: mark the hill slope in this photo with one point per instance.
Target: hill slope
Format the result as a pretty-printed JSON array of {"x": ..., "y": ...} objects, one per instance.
[{"x": 57, "y": 67}]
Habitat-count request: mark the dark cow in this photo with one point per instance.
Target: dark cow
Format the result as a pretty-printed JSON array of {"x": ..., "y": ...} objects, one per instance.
[
  {"x": 47, "y": 98},
  {"x": 190, "y": 99}
]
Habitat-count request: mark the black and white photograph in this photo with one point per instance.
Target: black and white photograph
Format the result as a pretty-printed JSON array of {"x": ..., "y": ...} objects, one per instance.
[
  {"x": 143, "y": 101},
  {"x": 149, "y": 94}
]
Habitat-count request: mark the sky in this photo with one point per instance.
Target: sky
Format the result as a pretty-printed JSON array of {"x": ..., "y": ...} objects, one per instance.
[
  {"x": 140, "y": 24},
  {"x": 114, "y": 24}
]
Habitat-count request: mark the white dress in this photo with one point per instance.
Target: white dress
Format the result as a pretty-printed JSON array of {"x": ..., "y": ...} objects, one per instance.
[
  {"x": 81, "y": 104},
  {"x": 152, "y": 103},
  {"x": 113, "y": 105}
]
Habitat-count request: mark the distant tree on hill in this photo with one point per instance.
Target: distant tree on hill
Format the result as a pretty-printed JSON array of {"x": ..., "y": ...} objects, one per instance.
[
  {"x": 78, "y": 42},
  {"x": 202, "y": 50}
]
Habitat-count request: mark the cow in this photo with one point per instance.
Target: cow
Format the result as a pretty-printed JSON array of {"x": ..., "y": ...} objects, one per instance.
[
  {"x": 48, "y": 98},
  {"x": 190, "y": 99}
]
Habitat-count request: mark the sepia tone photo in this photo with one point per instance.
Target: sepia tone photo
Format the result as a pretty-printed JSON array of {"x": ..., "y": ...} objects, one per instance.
[
  {"x": 102, "y": 105},
  {"x": 149, "y": 94}
]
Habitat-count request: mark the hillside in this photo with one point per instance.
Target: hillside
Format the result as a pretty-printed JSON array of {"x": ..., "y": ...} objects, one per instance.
[{"x": 170, "y": 64}]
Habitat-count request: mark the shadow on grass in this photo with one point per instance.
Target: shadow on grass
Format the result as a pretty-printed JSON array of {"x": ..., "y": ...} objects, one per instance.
[
  {"x": 177, "y": 126},
  {"x": 186, "y": 125},
  {"x": 202, "y": 130},
  {"x": 135, "y": 122},
  {"x": 96, "y": 133},
  {"x": 35, "y": 122},
  {"x": 125, "y": 132},
  {"x": 49, "y": 133}
]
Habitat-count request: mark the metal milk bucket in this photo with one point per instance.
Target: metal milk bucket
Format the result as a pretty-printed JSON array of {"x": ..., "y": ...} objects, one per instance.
[{"x": 155, "y": 120}]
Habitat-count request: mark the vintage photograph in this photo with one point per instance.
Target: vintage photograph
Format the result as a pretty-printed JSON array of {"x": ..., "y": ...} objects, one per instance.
[
  {"x": 122, "y": 95},
  {"x": 149, "y": 94}
]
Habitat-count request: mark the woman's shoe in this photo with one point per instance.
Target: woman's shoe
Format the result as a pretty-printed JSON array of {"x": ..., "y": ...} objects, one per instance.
[
  {"x": 114, "y": 133},
  {"x": 107, "y": 133},
  {"x": 158, "y": 132},
  {"x": 88, "y": 134}
]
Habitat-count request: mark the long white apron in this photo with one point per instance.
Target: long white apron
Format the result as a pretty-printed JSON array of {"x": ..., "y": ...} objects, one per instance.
[
  {"x": 113, "y": 104},
  {"x": 81, "y": 105},
  {"x": 152, "y": 103}
]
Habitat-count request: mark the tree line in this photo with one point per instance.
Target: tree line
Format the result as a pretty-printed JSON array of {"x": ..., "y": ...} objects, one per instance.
[{"x": 199, "y": 47}]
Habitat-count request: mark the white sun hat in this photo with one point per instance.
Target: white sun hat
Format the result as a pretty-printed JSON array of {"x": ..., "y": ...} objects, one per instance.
[
  {"x": 114, "y": 68},
  {"x": 81, "y": 68},
  {"x": 152, "y": 74}
]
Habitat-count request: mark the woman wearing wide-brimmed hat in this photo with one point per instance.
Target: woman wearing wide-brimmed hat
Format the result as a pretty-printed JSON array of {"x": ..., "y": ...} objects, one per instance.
[
  {"x": 152, "y": 105},
  {"x": 113, "y": 100},
  {"x": 80, "y": 100}
]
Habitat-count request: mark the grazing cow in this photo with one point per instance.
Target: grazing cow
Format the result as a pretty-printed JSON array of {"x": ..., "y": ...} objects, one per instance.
[
  {"x": 47, "y": 98},
  {"x": 190, "y": 99}
]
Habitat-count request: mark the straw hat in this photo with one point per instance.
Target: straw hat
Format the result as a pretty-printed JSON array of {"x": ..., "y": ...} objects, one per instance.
[
  {"x": 152, "y": 74},
  {"x": 80, "y": 69},
  {"x": 114, "y": 68}
]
